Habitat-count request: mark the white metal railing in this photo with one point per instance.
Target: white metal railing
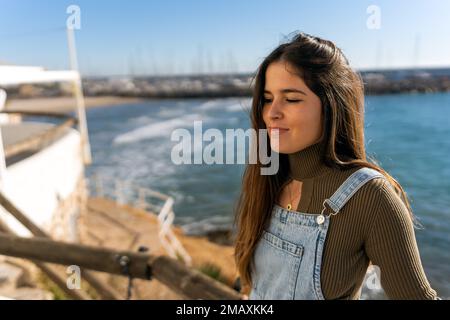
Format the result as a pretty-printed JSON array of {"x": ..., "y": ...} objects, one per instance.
[{"x": 127, "y": 193}]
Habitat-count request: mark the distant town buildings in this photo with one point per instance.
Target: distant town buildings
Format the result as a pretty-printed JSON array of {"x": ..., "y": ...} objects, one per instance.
[{"x": 227, "y": 85}]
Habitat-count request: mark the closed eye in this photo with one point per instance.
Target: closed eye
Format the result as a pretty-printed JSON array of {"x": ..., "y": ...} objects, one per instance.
[{"x": 288, "y": 100}]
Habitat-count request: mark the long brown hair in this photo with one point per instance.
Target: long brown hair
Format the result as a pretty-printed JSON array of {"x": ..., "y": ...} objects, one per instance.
[{"x": 328, "y": 74}]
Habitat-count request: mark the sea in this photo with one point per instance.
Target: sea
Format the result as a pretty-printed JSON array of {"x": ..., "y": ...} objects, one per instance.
[{"x": 407, "y": 134}]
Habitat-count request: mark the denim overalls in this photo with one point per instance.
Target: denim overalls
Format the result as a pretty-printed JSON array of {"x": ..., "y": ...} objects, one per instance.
[{"x": 288, "y": 256}]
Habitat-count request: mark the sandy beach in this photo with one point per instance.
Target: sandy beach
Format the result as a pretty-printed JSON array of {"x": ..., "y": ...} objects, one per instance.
[{"x": 66, "y": 104}]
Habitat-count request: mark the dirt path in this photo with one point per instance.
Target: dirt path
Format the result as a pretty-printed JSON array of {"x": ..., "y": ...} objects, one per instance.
[{"x": 108, "y": 224}]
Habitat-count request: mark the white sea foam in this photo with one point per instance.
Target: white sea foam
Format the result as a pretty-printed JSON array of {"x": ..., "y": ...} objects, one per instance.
[
  {"x": 171, "y": 112},
  {"x": 158, "y": 129},
  {"x": 211, "y": 104},
  {"x": 236, "y": 107},
  {"x": 141, "y": 120},
  {"x": 239, "y": 106},
  {"x": 210, "y": 224}
]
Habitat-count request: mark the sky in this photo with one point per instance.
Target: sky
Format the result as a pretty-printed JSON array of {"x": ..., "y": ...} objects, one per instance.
[{"x": 138, "y": 37}]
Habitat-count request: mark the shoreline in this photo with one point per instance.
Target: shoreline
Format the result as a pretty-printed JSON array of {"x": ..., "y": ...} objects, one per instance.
[{"x": 67, "y": 104}]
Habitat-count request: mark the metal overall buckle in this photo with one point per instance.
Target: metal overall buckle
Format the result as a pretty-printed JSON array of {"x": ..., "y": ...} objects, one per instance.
[{"x": 321, "y": 218}]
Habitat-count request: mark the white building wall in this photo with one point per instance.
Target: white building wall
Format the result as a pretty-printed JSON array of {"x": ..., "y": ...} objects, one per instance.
[{"x": 38, "y": 183}]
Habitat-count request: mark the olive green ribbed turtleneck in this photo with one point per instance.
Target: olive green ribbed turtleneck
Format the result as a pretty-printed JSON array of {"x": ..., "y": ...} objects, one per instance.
[
  {"x": 374, "y": 225},
  {"x": 307, "y": 163}
]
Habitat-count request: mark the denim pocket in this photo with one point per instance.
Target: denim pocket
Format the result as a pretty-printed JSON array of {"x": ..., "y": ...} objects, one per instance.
[{"x": 277, "y": 263}]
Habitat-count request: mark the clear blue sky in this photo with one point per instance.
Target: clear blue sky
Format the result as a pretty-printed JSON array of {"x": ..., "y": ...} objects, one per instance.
[{"x": 182, "y": 36}]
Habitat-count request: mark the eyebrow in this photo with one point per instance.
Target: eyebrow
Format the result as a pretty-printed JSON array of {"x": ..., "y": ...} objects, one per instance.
[{"x": 288, "y": 90}]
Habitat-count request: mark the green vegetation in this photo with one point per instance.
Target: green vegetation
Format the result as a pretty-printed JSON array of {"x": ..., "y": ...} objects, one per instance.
[{"x": 212, "y": 271}]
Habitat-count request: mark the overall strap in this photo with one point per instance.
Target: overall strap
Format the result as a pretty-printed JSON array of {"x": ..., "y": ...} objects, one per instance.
[{"x": 350, "y": 186}]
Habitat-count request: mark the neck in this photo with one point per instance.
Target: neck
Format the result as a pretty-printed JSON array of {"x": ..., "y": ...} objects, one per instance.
[{"x": 307, "y": 163}]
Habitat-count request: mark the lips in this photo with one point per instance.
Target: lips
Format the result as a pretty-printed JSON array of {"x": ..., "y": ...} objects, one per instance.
[{"x": 277, "y": 130}]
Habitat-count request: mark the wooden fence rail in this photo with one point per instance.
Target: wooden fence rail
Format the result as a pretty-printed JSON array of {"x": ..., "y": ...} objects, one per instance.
[
  {"x": 186, "y": 281},
  {"x": 103, "y": 289},
  {"x": 190, "y": 283}
]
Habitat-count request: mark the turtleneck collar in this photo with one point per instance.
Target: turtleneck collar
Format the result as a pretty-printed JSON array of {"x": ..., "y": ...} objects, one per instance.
[{"x": 307, "y": 163}]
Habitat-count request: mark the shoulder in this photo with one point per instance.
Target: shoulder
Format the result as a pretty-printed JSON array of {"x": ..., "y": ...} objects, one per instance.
[
  {"x": 372, "y": 187},
  {"x": 374, "y": 195},
  {"x": 382, "y": 202},
  {"x": 378, "y": 186},
  {"x": 383, "y": 192}
]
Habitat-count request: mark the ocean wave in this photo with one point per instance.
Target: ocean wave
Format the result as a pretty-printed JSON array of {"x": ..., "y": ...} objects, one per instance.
[
  {"x": 240, "y": 106},
  {"x": 157, "y": 129},
  {"x": 171, "y": 112},
  {"x": 207, "y": 225},
  {"x": 211, "y": 105}
]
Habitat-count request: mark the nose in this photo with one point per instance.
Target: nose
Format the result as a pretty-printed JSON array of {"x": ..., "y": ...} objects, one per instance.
[{"x": 275, "y": 111}]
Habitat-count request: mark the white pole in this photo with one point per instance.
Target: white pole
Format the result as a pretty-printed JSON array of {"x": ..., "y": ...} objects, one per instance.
[
  {"x": 4, "y": 118},
  {"x": 78, "y": 93},
  {"x": 2, "y": 151}
]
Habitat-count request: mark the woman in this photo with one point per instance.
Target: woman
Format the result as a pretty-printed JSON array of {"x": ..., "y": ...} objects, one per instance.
[{"x": 311, "y": 230}]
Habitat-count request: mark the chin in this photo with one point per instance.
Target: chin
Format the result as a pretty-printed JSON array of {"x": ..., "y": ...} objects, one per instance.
[{"x": 282, "y": 149}]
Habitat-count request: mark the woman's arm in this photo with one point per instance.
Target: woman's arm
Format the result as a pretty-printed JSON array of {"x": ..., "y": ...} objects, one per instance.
[{"x": 391, "y": 245}]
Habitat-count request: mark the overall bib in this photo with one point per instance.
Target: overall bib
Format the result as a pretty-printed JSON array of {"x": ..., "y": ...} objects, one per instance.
[{"x": 288, "y": 257}]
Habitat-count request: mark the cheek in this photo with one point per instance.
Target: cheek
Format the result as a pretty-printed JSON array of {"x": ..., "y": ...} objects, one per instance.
[
  {"x": 306, "y": 121},
  {"x": 265, "y": 115},
  {"x": 299, "y": 119}
]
